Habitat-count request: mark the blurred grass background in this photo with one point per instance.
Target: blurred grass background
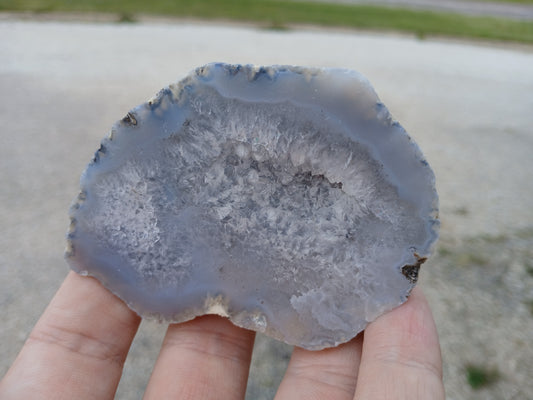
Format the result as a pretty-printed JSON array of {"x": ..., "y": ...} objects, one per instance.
[{"x": 274, "y": 14}]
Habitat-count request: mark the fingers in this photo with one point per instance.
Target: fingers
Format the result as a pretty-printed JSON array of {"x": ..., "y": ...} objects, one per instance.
[
  {"x": 78, "y": 347},
  {"x": 206, "y": 358},
  {"x": 325, "y": 374},
  {"x": 401, "y": 355}
]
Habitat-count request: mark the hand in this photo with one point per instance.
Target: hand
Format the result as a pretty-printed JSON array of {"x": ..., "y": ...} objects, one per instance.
[{"x": 78, "y": 348}]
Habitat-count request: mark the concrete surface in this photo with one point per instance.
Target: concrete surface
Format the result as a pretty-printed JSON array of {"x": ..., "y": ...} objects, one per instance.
[{"x": 470, "y": 108}]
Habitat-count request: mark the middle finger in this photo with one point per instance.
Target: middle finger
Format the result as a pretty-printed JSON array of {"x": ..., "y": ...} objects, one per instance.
[
  {"x": 206, "y": 358},
  {"x": 325, "y": 374}
]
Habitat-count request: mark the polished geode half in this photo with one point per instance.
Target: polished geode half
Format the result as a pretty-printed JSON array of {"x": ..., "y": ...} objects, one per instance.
[{"x": 284, "y": 198}]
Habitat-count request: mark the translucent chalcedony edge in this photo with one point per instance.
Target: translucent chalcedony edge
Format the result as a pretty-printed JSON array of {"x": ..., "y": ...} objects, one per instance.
[{"x": 341, "y": 90}]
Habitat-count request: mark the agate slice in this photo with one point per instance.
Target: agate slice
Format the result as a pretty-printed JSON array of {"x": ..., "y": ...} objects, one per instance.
[{"x": 284, "y": 198}]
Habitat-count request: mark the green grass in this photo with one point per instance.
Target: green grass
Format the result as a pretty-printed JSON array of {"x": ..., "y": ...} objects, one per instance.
[
  {"x": 444, "y": 251},
  {"x": 478, "y": 376},
  {"x": 463, "y": 258},
  {"x": 461, "y": 211},
  {"x": 470, "y": 258},
  {"x": 494, "y": 239},
  {"x": 275, "y": 13},
  {"x": 126, "y": 18}
]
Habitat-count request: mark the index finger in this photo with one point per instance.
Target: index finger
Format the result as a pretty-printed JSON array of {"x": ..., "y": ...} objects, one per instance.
[
  {"x": 401, "y": 356},
  {"x": 77, "y": 348}
]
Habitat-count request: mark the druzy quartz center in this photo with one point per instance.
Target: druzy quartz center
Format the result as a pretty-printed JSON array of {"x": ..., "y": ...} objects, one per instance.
[{"x": 285, "y": 198}]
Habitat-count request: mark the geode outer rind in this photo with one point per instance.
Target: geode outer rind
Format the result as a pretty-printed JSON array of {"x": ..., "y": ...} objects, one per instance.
[{"x": 285, "y": 198}]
